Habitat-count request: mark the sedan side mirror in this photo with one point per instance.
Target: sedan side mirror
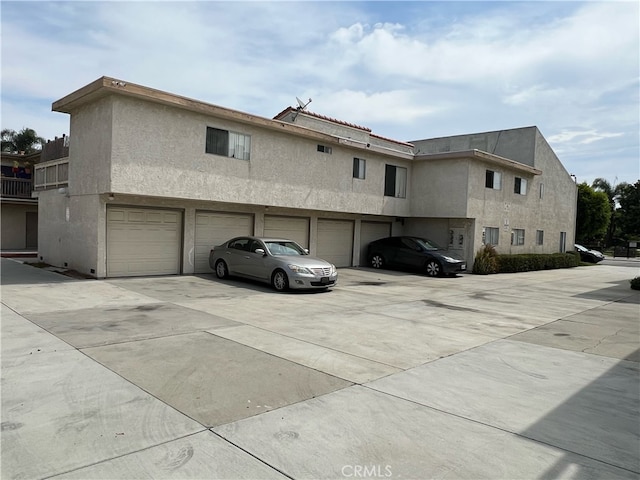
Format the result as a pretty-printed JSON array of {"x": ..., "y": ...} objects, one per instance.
[
  {"x": 306, "y": 250},
  {"x": 259, "y": 251}
]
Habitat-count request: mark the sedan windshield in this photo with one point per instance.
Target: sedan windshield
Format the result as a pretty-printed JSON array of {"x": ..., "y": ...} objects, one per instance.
[
  {"x": 427, "y": 244},
  {"x": 285, "y": 248}
]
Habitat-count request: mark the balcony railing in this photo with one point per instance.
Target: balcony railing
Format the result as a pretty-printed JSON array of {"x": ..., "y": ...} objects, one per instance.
[
  {"x": 52, "y": 174},
  {"x": 16, "y": 187}
]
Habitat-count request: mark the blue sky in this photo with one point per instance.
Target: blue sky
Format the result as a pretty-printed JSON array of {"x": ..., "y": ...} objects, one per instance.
[{"x": 407, "y": 70}]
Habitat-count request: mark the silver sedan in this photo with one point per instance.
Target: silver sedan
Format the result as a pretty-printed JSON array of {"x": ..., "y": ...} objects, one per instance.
[{"x": 280, "y": 262}]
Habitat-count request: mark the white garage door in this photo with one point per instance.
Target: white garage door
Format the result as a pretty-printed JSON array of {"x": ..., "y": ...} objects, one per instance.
[
  {"x": 293, "y": 228},
  {"x": 214, "y": 229},
  {"x": 370, "y": 231},
  {"x": 143, "y": 241},
  {"x": 335, "y": 241}
]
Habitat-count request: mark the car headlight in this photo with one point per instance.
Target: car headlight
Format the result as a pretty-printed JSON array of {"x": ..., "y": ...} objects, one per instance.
[
  {"x": 450, "y": 259},
  {"x": 299, "y": 269},
  {"x": 334, "y": 270}
]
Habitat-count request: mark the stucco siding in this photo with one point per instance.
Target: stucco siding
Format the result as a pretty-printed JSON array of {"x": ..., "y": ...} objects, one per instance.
[{"x": 439, "y": 188}]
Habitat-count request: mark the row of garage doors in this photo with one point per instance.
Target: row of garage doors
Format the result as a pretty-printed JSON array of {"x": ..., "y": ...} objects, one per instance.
[{"x": 149, "y": 242}]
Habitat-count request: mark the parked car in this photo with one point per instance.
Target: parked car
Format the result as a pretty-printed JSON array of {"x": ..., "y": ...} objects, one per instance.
[
  {"x": 586, "y": 255},
  {"x": 414, "y": 253},
  {"x": 281, "y": 262}
]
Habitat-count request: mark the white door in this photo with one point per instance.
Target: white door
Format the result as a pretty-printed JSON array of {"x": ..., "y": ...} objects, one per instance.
[
  {"x": 335, "y": 241},
  {"x": 214, "y": 228},
  {"x": 143, "y": 241},
  {"x": 292, "y": 228},
  {"x": 370, "y": 231}
]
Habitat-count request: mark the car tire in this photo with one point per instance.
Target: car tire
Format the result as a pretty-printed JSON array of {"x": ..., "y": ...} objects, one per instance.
[
  {"x": 222, "y": 271},
  {"x": 377, "y": 261},
  {"x": 280, "y": 281},
  {"x": 433, "y": 268}
]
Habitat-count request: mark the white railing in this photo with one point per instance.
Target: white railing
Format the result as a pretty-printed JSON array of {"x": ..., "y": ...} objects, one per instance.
[{"x": 51, "y": 174}]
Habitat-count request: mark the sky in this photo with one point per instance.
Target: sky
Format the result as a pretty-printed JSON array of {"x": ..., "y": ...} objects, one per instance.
[{"x": 406, "y": 70}]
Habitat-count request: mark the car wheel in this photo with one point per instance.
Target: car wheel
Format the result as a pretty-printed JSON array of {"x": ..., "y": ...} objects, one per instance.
[
  {"x": 221, "y": 269},
  {"x": 433, "y": 268},
  {"x": 280, "y": 281},
  {"x": 377, "y": 261}
]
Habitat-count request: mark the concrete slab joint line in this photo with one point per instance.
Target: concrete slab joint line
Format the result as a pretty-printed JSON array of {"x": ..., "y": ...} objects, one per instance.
[{"x": 186, "y": 377}]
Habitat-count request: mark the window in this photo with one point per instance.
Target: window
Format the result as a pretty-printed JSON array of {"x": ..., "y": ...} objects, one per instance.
[
  {"x": 359, "y": 165},
  {"x": 520, "y": 186},
  {"x": 395, "y": 181},
  {"x": 517, "y": 236},
  {"x": 490, "y": 235},
  {"x": 228, "y": 144},
  {"x": 539, "y": 237},
  {"x": 324, "y": 149},
  {"x": 493, "y": 180},
  {"x": 563, "y": 242},
  {"x": 541, "y": 190}
]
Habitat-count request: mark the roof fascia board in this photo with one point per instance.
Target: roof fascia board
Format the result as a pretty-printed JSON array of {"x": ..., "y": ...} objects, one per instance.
[{"x": 480, "y": 155}]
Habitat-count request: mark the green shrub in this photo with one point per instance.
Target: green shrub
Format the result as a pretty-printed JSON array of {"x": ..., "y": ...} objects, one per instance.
[
  {"x": 485, "y": 261},
  {"x": 635, "y": 283},
  {"x": 528, "y": 262}
]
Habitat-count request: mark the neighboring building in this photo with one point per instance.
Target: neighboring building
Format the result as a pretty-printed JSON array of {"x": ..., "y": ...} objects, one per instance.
[
  {"x": 154, "y": 180},
  {"x": 19, "y": 211}
]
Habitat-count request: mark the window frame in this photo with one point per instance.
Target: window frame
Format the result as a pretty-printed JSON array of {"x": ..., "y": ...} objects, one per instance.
[
  {"x": 488, "y": 233},
  {"x": 394, "y": 186},
  {"x": 517, "y": 239},
  {"x": 324, "y": 149},
  {"x": 493, "y": 179},
  {"x": 539, "y": 237},
  {"x": 227, "y": 142},
  {"x": 359, "y": 168},
  {"x": 520, "y": 186}
]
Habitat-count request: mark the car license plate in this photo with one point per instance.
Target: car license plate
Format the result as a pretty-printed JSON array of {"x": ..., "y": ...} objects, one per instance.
[
  {"x": 463, "y": 266},
  {"x": 324, "y": 280}
]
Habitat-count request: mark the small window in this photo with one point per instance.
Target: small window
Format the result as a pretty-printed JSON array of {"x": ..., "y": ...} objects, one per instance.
[
  {"x": 395, "y": 181},
  {"x": 490, "y": 235},
  {"x": 324, "y": 149},
  {"x": 359, "y": 166},
  {"x": 228, "y": 144},
  {"x": 520, "y": 186},
  {"x": 539, "y": 237},
  {"x": 493, "y": 180},
  {"x": 517, "y": 236},
  {"x": 541, "y": 190}
]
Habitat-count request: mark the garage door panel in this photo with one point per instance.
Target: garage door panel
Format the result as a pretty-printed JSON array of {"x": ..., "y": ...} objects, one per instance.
[
  {"x": 370, "y": 231},
  {"x": 292, "y": 228},
  {"x": 143, "y": 242},
  {"x": 215, "y": 228},
  {"x": 335, "y": 241}
]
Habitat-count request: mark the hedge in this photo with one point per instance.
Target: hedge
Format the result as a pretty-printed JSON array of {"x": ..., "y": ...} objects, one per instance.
[{"x": 528, "y": 262}]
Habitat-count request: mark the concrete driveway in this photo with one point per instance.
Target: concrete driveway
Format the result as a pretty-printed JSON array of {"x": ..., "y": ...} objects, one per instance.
[{"x": 389, "y": 375}]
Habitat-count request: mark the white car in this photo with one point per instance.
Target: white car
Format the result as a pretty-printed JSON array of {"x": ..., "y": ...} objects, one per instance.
[{"x": 280, "y": 262}]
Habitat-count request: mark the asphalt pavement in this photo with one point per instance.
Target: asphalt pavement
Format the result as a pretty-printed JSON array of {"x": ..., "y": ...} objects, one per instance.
[{"x": 389, "y": 375}]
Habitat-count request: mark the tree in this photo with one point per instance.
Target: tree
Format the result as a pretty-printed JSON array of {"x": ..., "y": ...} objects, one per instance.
[
  {"x": 26, "y": 140},
  {"x": 613, "y": 194},
  {"x": 629, "y": 211},
  {"x": 594, "y": 213}
]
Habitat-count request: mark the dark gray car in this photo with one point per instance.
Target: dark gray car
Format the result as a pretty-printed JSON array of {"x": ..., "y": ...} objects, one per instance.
[
  {"x": 414, "y": 253},
  {"x": 278, "y": 261}
]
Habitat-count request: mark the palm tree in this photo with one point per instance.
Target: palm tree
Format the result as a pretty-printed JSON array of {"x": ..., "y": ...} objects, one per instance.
[
  {"x": 26, "y": 140},
  {"x": 613, "y": 194}
]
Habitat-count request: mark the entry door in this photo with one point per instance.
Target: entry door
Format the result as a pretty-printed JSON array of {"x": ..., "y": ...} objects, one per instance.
[{"x": 32, "y": 230}]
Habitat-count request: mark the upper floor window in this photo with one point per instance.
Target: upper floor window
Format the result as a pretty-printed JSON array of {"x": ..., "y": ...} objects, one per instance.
[
  {"x": 520, "y": 186},
  {"x": 359, "y": 166},
  {"x": 542, "y": 190},
  {"x": 395, "y": 181},
  {"x": 228, "y": 144},
  {"x": 324, "y": 149},
  {"x": 493, "y": 180}
]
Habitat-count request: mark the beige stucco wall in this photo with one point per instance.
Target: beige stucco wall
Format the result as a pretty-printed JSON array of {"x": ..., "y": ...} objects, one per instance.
[
  {"x": 14, "y": 225},
  {"x": 439, "y": 188},
  {"x": 160, "y": 151}
]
